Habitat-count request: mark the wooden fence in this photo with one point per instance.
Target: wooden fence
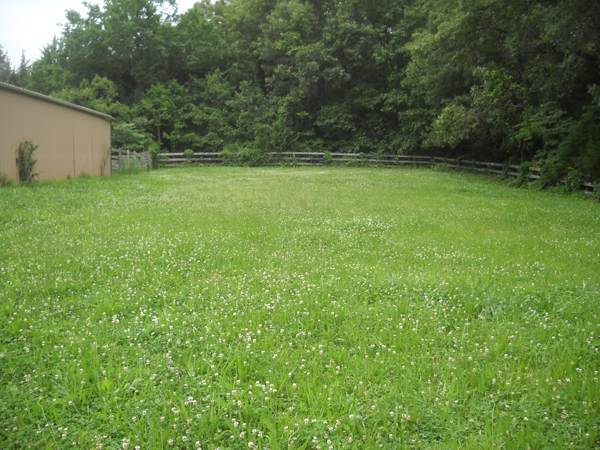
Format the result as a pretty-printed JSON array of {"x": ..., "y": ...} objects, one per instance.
[
  {"x": 487, "y": 167},
  {"x": 124, "y": 160},
  {"x": 301, "y": 159},
  {"x": 359, "y": 159}
]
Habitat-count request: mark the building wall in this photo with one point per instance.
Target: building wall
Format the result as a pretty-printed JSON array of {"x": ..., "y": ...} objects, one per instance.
[{"x": 71, "y": 141}]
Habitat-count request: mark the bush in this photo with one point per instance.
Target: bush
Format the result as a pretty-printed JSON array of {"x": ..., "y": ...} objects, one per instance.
[
  {"x": 189, "y": 154},
  {"x": 327, "y": 158},
  {"x": 549, "y": 172},
  {"x": 4, "y": 180},
  {"x": 154, "y": 150},
  {"x": 253, "y": 156},
  {"x": 581, "y": 148},
  {"x": 596, "y": 192},
  {"x": 352, "y": 162},
  {"x": 505, "y": 169},
  {"x": 230, "y": 155},
  {"x": 573, "y": 181},
  {"x": 128, "y": 136},
  {"x": 25, "y": 161},
  {"x": 523, "y": 177},
  {"x": 162, "y": 160},
  {"x": 362, "y": 159}
]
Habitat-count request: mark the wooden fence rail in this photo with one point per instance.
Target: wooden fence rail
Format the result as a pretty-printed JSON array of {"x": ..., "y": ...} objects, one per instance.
[
  {"x": 301, "y": 158},
  {"x": 124, "y": 160},
  {"x": 359, "y": 159}
]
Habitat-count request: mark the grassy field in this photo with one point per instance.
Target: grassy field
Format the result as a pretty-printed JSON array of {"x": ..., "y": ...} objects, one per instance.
[{"x": 317, "y": 308}]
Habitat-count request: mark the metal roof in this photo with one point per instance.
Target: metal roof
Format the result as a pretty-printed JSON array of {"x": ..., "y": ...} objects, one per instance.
[{"x": 18, "y": 90}]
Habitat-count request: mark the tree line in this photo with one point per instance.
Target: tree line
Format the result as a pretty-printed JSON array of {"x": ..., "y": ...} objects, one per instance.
[{"x": 495, "y": 80}]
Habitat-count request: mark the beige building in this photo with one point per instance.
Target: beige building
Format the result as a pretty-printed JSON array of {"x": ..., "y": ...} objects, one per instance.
[{"x": 72, "y": 139}]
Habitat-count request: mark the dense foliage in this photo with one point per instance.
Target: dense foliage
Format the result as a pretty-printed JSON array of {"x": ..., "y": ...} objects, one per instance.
[{"x": 494, "y": 79}]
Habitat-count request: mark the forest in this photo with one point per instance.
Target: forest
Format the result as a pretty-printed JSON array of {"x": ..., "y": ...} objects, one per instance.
[{"x": 496, "y": 80}]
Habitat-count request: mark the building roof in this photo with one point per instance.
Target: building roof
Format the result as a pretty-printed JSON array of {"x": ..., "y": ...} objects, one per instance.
[{"x": 45, "y": 98}]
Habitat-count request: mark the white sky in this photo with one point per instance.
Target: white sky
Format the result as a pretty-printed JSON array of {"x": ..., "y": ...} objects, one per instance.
[{"x": 31, "y": 24}]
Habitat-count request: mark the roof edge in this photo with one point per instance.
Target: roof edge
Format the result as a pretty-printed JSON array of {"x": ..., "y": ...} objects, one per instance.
[{"x": 38, "y": 96}]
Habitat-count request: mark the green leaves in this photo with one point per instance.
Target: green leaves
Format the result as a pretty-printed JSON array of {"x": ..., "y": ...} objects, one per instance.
[
  {"x": 129, "y": 136},
  {"x": 100, "y": 94},
  {"x": 26, "y": 162},
  {"x": 499, "y": 78},
  {"x": 453, "y": 126}
]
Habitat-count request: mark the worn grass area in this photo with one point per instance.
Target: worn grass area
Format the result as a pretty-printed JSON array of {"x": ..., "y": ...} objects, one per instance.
[{"x": 311, "y": 308}]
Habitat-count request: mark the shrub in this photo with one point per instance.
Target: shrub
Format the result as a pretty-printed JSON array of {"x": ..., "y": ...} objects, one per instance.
[
  {"x": 253, "y": 156},
  {"x": 327, "y": 158},
  {"x": 505, "y": 169},
  {"x": 230, "y": 155},
  {"x": 128, "y": 136},
  {"x": 523, "y": 177},
  {"x": 352, "y": 162},
  {"x": 362, "y": 158},
  {"x": 596, "y": 192},
  {"x": 189, "y": 154},
  {"x": 581, "y": 148},
  {"x": 131, "y": 167},
  {"x": 211, "y": 142},
  {"x": 131, "y": 135},
  {"x": 573, "y": 181},
  {"x": 4, "y": 180},
  {"x": 154, "y": 150},
  {"x": 458, "y": 161},
  {"x": 549, "y": 175},
  {"x": 162, "y": 160},
  {"x": 25, "y": 161}
]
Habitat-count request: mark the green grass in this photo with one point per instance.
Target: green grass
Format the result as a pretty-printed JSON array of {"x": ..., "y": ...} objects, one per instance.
[{"x": 311, "y": 308}]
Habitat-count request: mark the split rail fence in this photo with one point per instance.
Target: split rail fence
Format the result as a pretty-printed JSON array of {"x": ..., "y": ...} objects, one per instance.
[{"x": 358, "y": 159}]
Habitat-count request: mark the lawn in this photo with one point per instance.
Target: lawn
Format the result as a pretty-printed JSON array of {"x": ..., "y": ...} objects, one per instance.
[{"x": 317, "y": 308}]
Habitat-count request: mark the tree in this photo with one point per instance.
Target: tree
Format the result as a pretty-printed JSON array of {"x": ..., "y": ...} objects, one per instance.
[
  {"x": 100, "y": 94},
  {"x": 20, "y": 77},
  {"x": 5, "y": 66},
  {"x": 504, "y": 78},
  {"x": 129, "y": 42}
]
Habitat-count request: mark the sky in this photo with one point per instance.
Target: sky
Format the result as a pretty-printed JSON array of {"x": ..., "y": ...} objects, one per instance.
[{"x": 31, "y": 24}]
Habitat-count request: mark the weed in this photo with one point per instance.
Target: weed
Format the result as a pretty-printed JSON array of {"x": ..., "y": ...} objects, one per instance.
[
  {"x": 524, "y": 172},
  {"x": 573, "y": 181},
  {"x": 4, "y": 180},
  {"x": 596, "y": 192},
  {"x": 362, "y": 158},
  {"x": 154, "y": 149},
  {"x": 188, "y": 154},
  {"x": 26, "y": 162}
]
